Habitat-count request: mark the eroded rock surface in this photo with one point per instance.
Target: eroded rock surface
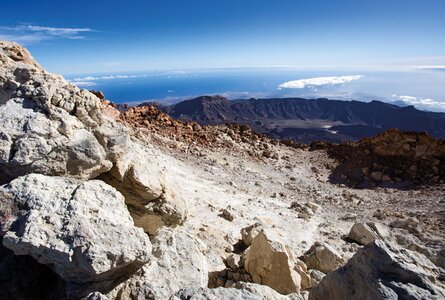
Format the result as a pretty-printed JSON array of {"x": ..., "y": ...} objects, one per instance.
[
  {"x": 381, "y": 271},
  {"x": 50, "y": 126},
  {"x": 81, "y": 229},
  {"x": 268, "y": 262},
  {"x": 323, "y": 258}
]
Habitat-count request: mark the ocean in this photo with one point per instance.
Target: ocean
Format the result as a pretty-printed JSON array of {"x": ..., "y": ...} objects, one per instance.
[{"x": 423, "y": 88}]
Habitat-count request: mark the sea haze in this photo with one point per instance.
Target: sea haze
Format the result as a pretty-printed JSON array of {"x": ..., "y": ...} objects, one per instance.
[{"x": 422, "y": 88}]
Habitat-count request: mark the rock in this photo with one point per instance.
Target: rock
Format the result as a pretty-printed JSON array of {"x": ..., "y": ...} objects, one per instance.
[
  {"x": 242, "y": 291},
  {"x": 24, "y": 278},
  {"x": 250, "y": 232},
  {"x": 363, "y": 233},
  {"x": 410, "y": 224},
  {"x": 81, "y": 229},
  {"x": 178, "y": 262},
  {"x": 233, "y": 261},
  {"x": 96, "y": 296},
  {"x": 441, "y": 258},
  {"x": 316, "y": 276},
  {"x": 152, "y": 201},
  {"x": 265, "y": 292},
  {"x": 227, "y": 213},
  {"x": 392, "y": 158},
  {"x": 305, "y": 210},
  {"x": 381, "y": 271},
  {"x": 323, "y": 258},
  {"x": 98, "y": 94},
  {"x": 269, "y": 263},
  {"x": 305, "y": 278},
  {"x": 49, "y": 125}
]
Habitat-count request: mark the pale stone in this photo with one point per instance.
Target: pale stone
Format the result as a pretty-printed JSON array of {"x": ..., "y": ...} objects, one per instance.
[
  {"x": 323, "y": 258},
  {"x": 381, "y": 271},
  {"x": 81, "y": 229},
  {"x": 268, "y": 262}
]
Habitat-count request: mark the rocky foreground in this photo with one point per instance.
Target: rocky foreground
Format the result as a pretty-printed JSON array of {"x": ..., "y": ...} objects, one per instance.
[{"x": 98, "y": 204}]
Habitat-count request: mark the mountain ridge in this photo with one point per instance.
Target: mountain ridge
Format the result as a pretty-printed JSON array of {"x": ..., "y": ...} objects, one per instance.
[{"x": 309, "y": 119}]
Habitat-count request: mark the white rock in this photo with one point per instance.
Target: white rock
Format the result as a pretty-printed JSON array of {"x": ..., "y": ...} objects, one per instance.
[
  {"x": 178, "y": 262},
  {"x": 49, "y": 125},
  {"x": 82, "y": 229}
]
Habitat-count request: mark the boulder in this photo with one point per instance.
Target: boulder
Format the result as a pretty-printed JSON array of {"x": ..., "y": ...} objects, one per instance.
[
  {"x": 363, "y": 233},
  {"x": 381, "y": 271},
  {"x": 49, "y": 125},
  {"x": 268, "y": 262},
  {"x": 250, "y": 232},
  {"x": 80, "y": 229},
  {"x": 151, "y": 199},
  {"x": 178, "y": 262},
  {"x": 323, "y": 258}
]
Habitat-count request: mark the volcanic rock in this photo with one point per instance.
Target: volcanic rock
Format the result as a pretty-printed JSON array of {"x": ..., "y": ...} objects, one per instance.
[
  {"x": 393, "y": 158},
  {"x": 381, "y": 271},
  {"x": 81, "y": 229},
  {"x": 268, "y": 262},
  {"x": 322, "y": 257},
  {"x": 49, "y": 125}
]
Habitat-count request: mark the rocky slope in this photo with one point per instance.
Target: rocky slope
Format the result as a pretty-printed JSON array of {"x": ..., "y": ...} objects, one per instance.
[
  {"x": 98, "y": 204},
  {"x": 307, "y": 120}
]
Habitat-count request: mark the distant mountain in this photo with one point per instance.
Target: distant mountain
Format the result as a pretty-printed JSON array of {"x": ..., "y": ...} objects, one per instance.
[{"x": 307, "y": 120}]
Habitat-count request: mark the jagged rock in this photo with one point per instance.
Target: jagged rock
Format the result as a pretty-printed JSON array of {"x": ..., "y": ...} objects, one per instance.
[
  {"x": 151, "y": 200},
  {"x": 305, "y": 278},
  {"x": 250, "y": 232},
  {"x": 316, "y": 276},
  {"x": 381, "y": 271},
  {"x": 393, "y": 158},
  {"x": 268, "y": 262},
  {"x": 364, "y": 233},
  {"x": 233, "y": 261},
  {"x": 322, "y": 257},
  {"x": 178, "y": 262},
  {"x": 50, "y": 126},
  {"x": 81, "y": 229}
]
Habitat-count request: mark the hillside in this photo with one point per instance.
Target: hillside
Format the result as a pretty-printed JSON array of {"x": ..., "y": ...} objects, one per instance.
[
  {"x": 102, "y": 204},
  {"x": 307, "y": 120}
]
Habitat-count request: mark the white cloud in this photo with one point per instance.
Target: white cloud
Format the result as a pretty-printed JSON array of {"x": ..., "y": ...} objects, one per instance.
[
  {"x": 424, "y": 103},
  {"x": 431, "y": 68},
  {"x": 318, "y": 81},
  {"x": 27, "y": 34},
  {"x": 107, "y": 77},
  {"x": 84, "y": 83}
]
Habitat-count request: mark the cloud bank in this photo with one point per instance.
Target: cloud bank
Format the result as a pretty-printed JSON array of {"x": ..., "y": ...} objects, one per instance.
[
  {"x": 423, "y": 103},
  {"x": 28, "y": 34},
  {"x": 431, "y": 68},
  {"x": 90, "y": 80},
  {"x": 318, "y": 81}
]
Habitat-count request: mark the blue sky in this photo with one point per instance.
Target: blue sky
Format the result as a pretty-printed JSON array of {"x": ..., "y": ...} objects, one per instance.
[{"x": 74, "y": 37}]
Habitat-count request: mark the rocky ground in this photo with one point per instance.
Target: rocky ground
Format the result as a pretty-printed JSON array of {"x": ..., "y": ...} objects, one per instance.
[{"x": 103, "y": 205}]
